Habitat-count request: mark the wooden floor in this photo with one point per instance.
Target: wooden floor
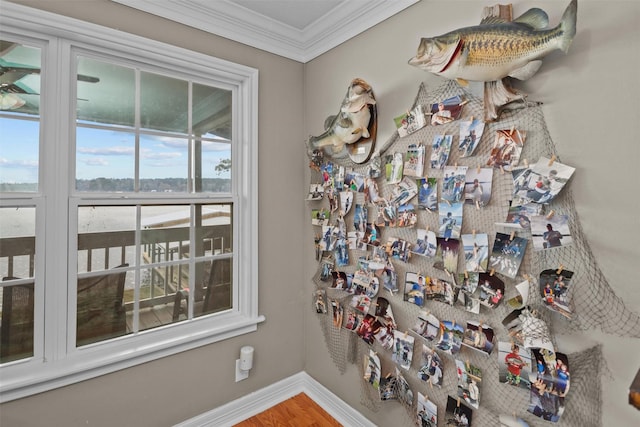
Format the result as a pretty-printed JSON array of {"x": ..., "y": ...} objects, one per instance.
[{"x": 299, "y": 411}]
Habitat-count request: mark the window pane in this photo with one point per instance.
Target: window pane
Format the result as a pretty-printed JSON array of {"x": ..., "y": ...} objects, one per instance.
[
  {"x": 211, "y": 112},
  {"x": 218, "y": 294},
  {"x": 20, "y": 79},
  {"x": 100, "y": 307},
  {"x": 106, "y": 93},
  {"x": 163, "y": 164},
  {"x": 164, "y": 103},
  {"x": 165, "y": 233},
  {"x": 105, "y": 160},
  {"x": 212, "y": 167},
  {"x": 214, "y": 231},
  {"x": 19, "y": 148},
  {"x": 105, "y": 237},
  {"x": 17, "y": 253}
]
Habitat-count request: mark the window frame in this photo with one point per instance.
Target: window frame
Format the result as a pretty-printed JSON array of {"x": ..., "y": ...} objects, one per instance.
[{"x": 55, "y": 363}]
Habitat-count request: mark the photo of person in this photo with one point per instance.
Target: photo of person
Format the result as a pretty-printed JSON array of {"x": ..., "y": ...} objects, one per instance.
[
  {"x": 514, "y": 365},
  {"x": 477, "y": 188},
  {"x": 388, "y": 388},
  {"x": 478, "y": 336},
  {"x": 450, "y": 220},
  {"x": 414, "y": 288},
  {"x": 440, "y": 149},
  {"x": 414, "y": 160},
  {"x": 476, "y": 252},
  {"x": 428, "y": 194},
  {"x": 543, "y": 182},
  {"x": 470, "y": 133},
  {"x": 316, "y": 192},
  {"x": 371, "y": 235},
  {"x": 407, "y": 216},
  {"x": 427, "y": 412},
  {"x": 329, "y": 237},
  {"x": 398, "y": 249},
  {"x": 346, "y": 201},
  {"x": 403, "y": 389},
  {"x": 383, "y": 334},
  {"x": 341, "y": 252},
  {"x": 470, "y": 303},
  {"x": 453, "y": 184},
  {"x": 427, "y": 326},
  {"x": 491, "y": 290},
  {"x": 468, "y": 282},
  {"x": 354, "y": 181},
  {"x": 402, "y": 349},
  {"x": 388, "y": 278},
  {"x": 337, "y": 312},
  {"x": 320, "y": 301},
  {"x": 387, "y": 214},
  {"x": 403, "y": 191},
  {"x": 506, "y": 149},
  {"x": 393, "y": 165},
  {"x": 338, "y": 178},
  {"x": 384, "y": 313},
  {"x": 430, "y": 367},
  {"x": 372, "y": 371},
  {"x": 320, "y": 217},
  {"x": 457, "y": 413},
  {"x": 519, "y": 216},
  {"x": 360, "y": 216},
  {"x": 339, "y": 280},
  {"x": 371, "y": 191},
  {"x": 356, "y": 240},
  {"x": 411, "y": 121},
  {"x": 550, "y": 232},
  {"x": 450, "y": 337},
  {"x": 366, "y": 329},
  {"x": 441, "y": 290},
  {"x": 469, "y": 376},
  {"x": 361, "y": 302},
  {"x": 446, "y": 111},
  {"x": 426, "y": 243},
  {"x": 551, "y": 385},
  {"x": 554, "y": 289},
  {"x": 446, "y": 258},
  {"x": 507, "y": 254}
]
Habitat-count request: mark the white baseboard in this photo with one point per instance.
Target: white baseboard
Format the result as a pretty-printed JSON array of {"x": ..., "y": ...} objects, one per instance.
[{"x": 247, "y": 406}]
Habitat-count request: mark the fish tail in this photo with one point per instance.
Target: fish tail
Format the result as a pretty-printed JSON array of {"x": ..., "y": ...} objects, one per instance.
[{"x": 568, "y": 25}]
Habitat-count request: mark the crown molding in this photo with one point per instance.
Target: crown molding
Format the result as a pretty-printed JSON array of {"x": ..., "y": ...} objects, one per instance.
[{"x": 230, "y": 20}]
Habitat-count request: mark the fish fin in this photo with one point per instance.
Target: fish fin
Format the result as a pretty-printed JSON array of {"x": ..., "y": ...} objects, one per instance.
[
  {"x": 527, "y": 71},
  {"x": 492, "y": 20},
  {"x": 329, "y": 122},
  {"x": 344, "y": 121},
  {"x": 568, "y": 25},
  {"x": 535, "y": 18},
  {"x": 462, "y": 82}
]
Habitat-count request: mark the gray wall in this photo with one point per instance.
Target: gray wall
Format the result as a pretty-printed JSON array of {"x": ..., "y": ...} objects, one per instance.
[
  {"x": 590, "y": 106},
  {"x": 173, "y": 389}
]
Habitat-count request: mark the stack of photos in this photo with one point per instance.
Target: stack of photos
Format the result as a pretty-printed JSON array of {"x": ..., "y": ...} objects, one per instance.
[
  {"x": 519, "y": 216},
  {"x": 407, "y": 216},
  {"x": 507, "y": 255},
  {"x": 468, "y": 285},
  {"x": 440, "y": 149},
  {"x": 551, "y": 385},
  {"x": 446, "y": 254},
  {"x": 450, "y": 215},
  {"x": 320, "y": 217},
  {"x": 511, "y": 421},
  {"x": 353, "y": 320},
  {"x": 353, "y": 181},
  {"x": 410, "y": 122},
  {"x": 542, "y": 182},
  {"x": 427, "y": 326},
  {"x": 388, "y": 388},
  {"x": 476, "y": 252},
  {"x": 477, "y": 188},
  {"x": 514, "y": 365},
  {"x": 457, "y": 413},
  {"x": 470, "y": 134},
  {"x": 403, "y": 191},
  {"x": 450, "y": 337},
  {"x": 550, "y": 232},
  {"x": 366, "y": 329},
  {"x": 371, "y": 191},
  {"x": 372, "y": 371},
  {"x": 469, "y": 376},
  {"x": 478, "y": 336},
  {"x": 491, "y": 290},
  {"x": 414, "y": 161},
  {"x": 446, "y": 111},
  {"x": 320, "y": 301},
  {"x": 405, "y": 395},
  {"x": 453, "y": 184},
  {"x": 428, "y": 194},
  {"x": 316, "y": 192},
  {"x": 402, "y": 349},
  {"x": 441, "y": 291},
  {"x": 337, "y": 313},
  {"x": 398, "y": 249},
  {"x": 393, "y": 166},
  {"x": 506, "y": 150},
  {"x": 554, "y": 289},
  {"x": 427, "y": 412},
  {"x": 430, "y": 367},
  {"x": 414, "y": 288},
  {"x": 426, "y": 243}
]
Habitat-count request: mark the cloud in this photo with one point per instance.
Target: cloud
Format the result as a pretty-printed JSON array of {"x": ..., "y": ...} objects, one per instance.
[
  {"x": 96, "y": 162},
  {"x": 160, "y": 156},
  {"x": 22, "y": 164},
  {"x": 109, "y": 151}
]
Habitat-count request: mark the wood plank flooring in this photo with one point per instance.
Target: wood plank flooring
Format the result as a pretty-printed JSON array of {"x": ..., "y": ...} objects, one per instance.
[{"x": 298, "y": 411}]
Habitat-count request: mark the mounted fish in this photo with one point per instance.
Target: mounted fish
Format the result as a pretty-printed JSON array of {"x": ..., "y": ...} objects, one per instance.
[{"x": 352, "y": 132}]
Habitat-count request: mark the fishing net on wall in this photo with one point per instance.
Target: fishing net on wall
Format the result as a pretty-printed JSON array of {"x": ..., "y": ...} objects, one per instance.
[{"x": 593, "y": 303}]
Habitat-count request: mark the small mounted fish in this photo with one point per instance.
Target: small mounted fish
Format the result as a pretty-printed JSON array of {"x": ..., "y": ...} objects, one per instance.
[
  {"x": 352, "y": 132},
  {"x": 497, "y": 48}
]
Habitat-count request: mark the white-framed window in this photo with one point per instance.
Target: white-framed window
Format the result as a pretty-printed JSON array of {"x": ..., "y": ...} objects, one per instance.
[{"x": 128, "y": 200}]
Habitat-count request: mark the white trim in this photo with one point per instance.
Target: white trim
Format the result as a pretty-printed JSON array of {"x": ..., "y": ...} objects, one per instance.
[
  {"x": 253, "y": 403},
  {"x": 232, "y": 21}
]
